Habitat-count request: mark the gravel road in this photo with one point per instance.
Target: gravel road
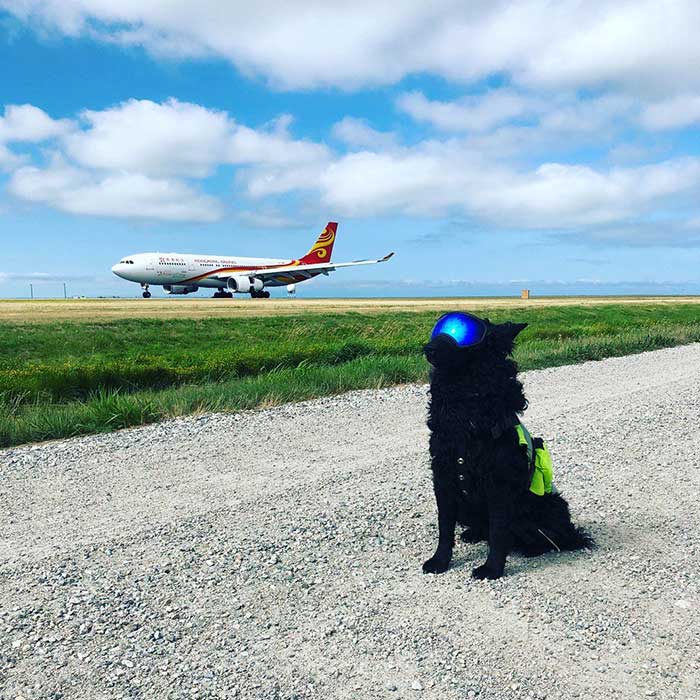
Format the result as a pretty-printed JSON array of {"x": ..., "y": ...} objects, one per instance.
[{"x": 277, "y": 554}]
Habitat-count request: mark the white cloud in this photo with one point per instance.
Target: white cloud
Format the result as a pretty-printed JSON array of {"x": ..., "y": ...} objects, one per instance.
[
  {"x": 565, "y": 196},
  {"x": 139, "y": 159},
  {"x": 357, "y": 133},
  {"x": 597, "y": 114},
  {"x": 248, "y": 146},
  {"x": 266, "y": 181},
  {"x": 173, "y": 138},
  {"x": 124, "y": 195},
  {"x": 410, "y": 181},
  {"x": 577, "y": 74},
  {"x": 28, "y": 124},
  {"x": 180, "y": 138},
  {"x": 130, "y": 160},
  {"x": 31, "y": 124},
  {"x": 503, "y": 116},
  {"x": 471, "y": 113},
  {"x": 8, "y": 159},
  {"x": 644, "y": 46},
  {"x": 438, "y": 178},
  {"x": 674, "y": 113}
]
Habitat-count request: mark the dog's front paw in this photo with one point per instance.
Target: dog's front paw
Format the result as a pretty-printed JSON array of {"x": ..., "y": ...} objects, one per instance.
[
  {"x": 437, "y": 564},
  {"x": 485, "y": 571}
]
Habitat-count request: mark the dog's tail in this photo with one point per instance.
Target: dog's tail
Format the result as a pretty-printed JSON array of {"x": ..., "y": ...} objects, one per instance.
[
  {"x": 547, "y": 527},
  {"x": 568, "y": 538}
]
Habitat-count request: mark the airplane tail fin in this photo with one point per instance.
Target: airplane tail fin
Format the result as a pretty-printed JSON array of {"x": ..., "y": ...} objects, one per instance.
[{"x": 323, "y": 248}]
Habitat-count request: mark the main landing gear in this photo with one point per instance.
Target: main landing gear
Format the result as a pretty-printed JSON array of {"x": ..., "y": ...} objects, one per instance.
[
  {"x": 146, "y": 294},
  {"x": 223, "y": 294}
]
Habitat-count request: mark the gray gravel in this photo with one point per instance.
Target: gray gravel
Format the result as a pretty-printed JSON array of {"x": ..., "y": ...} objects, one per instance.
[{"x": 277, "y": 554}]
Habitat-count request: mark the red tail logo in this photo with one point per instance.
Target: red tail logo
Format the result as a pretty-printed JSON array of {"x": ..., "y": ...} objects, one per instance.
[{"x": 323, "y": 248}]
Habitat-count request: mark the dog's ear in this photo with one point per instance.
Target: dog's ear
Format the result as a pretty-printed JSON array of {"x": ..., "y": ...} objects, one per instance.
[
  {"x": 508, "y": 331},
  {"x": 515, "y": 328}
]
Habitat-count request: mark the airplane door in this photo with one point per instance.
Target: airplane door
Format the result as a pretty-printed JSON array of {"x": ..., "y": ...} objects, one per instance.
[
  {"x": 150, "y": 265},
  {"x": 191, "y": 266}
]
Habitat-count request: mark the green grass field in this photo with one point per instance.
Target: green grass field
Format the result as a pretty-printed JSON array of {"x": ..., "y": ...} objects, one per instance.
[{"x": 68, "y": 378}]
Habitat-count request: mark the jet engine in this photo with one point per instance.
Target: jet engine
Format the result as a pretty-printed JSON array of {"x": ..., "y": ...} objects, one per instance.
[
  {"x": 179, "y": 289},
  {"x": 244, "y": 285}
]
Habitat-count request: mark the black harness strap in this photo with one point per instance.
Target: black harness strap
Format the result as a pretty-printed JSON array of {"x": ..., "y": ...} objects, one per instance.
[{"x": 503, "y": 425}]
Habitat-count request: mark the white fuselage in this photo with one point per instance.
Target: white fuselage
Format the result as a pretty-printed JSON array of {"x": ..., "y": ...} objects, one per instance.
[{"x": 185, "y": 269}]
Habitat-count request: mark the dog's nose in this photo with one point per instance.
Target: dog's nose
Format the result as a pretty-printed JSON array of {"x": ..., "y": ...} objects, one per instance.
[
  {"x": 441, "y": 342},
  {"x": 442, "y": 350}
]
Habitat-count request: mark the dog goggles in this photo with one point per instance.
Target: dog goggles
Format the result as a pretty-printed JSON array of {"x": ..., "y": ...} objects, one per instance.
[{"x": 466, "y": 330}]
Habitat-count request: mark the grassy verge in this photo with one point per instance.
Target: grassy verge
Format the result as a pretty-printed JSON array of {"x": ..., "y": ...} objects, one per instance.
[{"x": 65, "y": 379}]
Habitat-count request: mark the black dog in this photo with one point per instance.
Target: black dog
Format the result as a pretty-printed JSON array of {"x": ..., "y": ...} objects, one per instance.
[{"x": 481, "y": 474}]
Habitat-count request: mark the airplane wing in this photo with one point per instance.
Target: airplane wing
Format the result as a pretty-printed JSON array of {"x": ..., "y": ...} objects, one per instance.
[
  {"x": 264, "y": 273},
  {"x": 323, "y": 268}
]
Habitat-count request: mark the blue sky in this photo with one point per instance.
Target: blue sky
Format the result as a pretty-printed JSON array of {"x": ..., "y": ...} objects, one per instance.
[{"x": 492, "y": 146}]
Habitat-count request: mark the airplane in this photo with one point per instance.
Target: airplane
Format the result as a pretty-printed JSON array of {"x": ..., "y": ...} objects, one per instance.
[{"x": 181, "y": 273}]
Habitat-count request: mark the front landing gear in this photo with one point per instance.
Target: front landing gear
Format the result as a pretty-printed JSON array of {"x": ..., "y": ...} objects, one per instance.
[
  {"x": 260, "y": 295},
  {"x": 146, "y": 294}
]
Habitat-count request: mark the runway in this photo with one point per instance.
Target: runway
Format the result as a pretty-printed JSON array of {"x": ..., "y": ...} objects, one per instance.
[{"x": 32, "y": 311}]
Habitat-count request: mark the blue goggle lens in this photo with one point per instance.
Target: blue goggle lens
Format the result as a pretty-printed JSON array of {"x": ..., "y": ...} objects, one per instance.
[{"x": 466, "y": 330}]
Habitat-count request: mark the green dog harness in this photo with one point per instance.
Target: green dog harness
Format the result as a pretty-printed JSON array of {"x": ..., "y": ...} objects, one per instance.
[{"x": 539, "y": 459}]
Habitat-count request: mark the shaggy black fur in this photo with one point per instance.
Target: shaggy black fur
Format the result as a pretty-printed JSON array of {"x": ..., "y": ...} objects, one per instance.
[{"x": 482, "y": 481}]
